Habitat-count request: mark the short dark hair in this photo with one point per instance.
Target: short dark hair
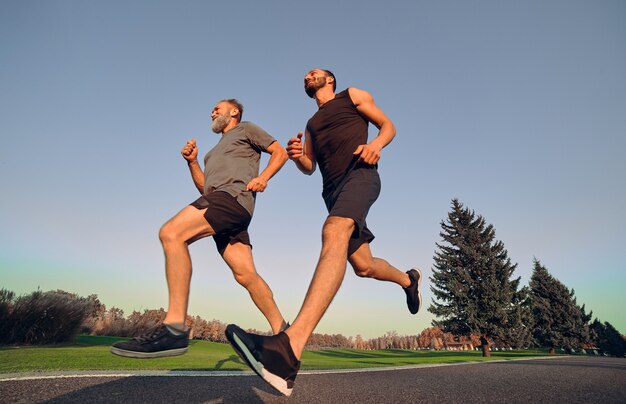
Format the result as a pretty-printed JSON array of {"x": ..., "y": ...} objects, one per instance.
[
  {"x": 329, "y": 73},
  {"x": 237, "y": 105}
]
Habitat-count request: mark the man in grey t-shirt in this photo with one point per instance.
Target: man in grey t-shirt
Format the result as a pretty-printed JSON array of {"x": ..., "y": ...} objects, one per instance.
[{"x": 228, "y": 186}]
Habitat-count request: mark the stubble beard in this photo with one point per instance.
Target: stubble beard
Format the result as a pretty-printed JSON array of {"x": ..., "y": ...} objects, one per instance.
[{"x": 311, "y": 87}]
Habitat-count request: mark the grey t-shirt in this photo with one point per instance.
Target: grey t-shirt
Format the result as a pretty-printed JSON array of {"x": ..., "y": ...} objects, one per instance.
[{"x": 234, "y": 161}]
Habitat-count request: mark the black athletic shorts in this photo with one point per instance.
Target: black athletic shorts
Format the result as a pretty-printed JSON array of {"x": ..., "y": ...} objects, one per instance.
[
  {"x": 353, "y": 200},
  {"x": 227, "y": 217}
]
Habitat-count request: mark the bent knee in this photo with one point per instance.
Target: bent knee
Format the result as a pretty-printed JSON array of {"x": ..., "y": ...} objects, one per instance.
[
  {"x": 241, "y": 279},
  {"x": 246, "y": 279},
  {"x": 335, "y": 226},
  {"x": 168, "y": 233},
  {"x": 164, "y": 233},
  {"x": 363, "y": 269}
]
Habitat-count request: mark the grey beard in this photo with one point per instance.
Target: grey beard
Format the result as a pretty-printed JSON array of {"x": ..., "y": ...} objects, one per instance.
[{"x": 220, "y": 123}]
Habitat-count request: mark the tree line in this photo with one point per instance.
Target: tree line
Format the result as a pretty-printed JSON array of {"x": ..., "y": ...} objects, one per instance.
[
  {"x": 59, "y": 316},
  {"x": 475, "y": 293},
  {"x": 477, "y": 302}
]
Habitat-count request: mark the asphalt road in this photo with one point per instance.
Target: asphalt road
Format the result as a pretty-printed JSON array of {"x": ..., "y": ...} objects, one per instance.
[{"x": 554, "y": 380}]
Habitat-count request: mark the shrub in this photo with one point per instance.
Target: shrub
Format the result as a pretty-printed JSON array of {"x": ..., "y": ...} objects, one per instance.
[
  {"x": 140, "y": 323},
  {"x": 43, "y": 317},
  {"x": 6, "y": 303}
]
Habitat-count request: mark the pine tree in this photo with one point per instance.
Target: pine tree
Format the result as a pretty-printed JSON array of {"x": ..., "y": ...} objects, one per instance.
[
  {"x": 547, "y": 300},
  {"x": 608, "y": 339},
  {"x": 471, "y": 282},
  {"x": 519, "y": 331},
  {"x": 558, "y": 320}
]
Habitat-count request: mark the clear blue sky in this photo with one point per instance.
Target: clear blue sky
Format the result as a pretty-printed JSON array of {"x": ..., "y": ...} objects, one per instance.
[{"x": 516, "y": 108}]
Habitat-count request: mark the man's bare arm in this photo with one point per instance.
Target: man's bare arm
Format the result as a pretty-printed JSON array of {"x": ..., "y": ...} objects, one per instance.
[
  {"x": 190, "y": 153},
  {"x": 370, "y": 153},
  {"x": 302, "y": 155},
  {"x": 278, "y": 159}
]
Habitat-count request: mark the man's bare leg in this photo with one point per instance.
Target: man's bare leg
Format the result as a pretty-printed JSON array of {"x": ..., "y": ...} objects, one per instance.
[
  {"x": 238, "y": 256},
  {"x": 326, "y": 281},
  {"x": 365, "y": 265},
  {"x": 183, "y": 229}
]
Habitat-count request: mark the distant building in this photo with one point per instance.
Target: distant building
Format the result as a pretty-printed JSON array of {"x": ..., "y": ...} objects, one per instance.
[{"x": 459, "y": 344}]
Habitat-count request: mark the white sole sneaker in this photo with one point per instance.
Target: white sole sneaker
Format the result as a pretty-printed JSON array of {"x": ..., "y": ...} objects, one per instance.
[
  {"x": 158, "y": 354},
  {"x": 278, "y": 383}
]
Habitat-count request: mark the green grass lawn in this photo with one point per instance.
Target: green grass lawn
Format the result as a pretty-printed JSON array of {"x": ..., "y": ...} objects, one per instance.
[{"x": 92, "y": 353}]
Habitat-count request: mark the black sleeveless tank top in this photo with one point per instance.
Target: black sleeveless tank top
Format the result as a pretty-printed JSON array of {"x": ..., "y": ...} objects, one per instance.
[{"x": 336, "y": 130}]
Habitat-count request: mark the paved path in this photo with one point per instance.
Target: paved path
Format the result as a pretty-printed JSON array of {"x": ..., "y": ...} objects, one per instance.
[{"x": 555, "y": 380}]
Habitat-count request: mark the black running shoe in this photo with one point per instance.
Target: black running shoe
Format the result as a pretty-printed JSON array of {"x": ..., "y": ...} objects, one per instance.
[
  {"x": 270, "y": 357},
  {"x": 413, "y": 294},
  {"x": 157, "y": 343}
]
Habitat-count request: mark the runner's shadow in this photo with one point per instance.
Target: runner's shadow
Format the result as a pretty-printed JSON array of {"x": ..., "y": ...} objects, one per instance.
[
  {"x": 232, "y": 358},
  {"x": 174, "y": 389}
]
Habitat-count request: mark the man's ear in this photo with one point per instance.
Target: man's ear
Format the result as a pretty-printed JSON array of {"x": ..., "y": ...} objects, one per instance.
[{"x": 234, "y": 112}]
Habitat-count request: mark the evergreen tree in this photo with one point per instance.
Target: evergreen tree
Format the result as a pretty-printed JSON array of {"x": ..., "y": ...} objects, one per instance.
[
  {"x": 519, "y": 333},
  {"x": 608, "y": 339},
  {"x": 578, "y": 334},
  {"x": 471, "y": 282},
  {"x": 558, "y": 320}
]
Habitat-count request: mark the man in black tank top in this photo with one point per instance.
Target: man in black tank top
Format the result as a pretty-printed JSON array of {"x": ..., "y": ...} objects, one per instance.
[{"x": 336, "y": 140}]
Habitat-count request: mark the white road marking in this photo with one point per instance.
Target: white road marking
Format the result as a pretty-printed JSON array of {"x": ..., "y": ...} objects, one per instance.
[{"x": 216, "y": 373}]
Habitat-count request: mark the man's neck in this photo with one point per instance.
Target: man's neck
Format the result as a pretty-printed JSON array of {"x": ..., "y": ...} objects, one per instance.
[
  {"x": 323, "y": 95},
  {"x": 231, "y": 125}
]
